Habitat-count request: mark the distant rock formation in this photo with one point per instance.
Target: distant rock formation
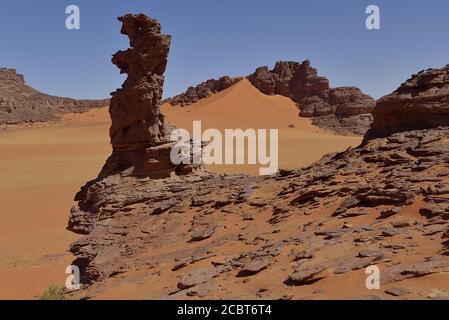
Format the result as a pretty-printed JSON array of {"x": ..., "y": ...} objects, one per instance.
[
  {"x": 421, "y": 102},
  {"x": 20, "y": 103},
  {"x": 297, "y": 81},
  {"x": 202, "y": 91},
  {"x": 139, "y": 133},
  {"x": 344, "y": 110}
]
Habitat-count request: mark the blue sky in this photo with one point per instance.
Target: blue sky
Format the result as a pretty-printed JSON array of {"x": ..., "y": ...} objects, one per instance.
[{"x": 233, "y": 37}]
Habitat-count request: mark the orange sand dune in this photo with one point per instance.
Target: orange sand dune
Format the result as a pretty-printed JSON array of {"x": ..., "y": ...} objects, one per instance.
[{"x": 243, "y": 106}]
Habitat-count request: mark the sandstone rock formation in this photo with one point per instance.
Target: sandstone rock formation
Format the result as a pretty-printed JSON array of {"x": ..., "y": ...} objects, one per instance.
[
  {"x": 294, "y": 235},
  {"x": 421, "y": 102},
  {"x": 345, "y": 110},
  {"x": 202, "y": 91},
  {"x": 298, "y": 81},
  {"x": 20, "y": 103},
  {"x": 139, "y": 133}
]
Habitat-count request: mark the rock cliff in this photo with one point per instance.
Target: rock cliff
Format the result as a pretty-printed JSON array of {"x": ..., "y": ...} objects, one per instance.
[{"x": 419, "y": 103}]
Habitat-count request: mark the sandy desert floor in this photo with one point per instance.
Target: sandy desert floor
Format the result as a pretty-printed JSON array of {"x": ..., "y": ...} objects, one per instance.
[{"x": 41, "y": 169}]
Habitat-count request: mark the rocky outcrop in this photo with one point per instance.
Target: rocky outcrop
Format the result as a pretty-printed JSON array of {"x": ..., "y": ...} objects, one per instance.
[
  {"x": 421, "y": 102},
  {"x": 202, "y": 91},
  {"x": 288, "y": 236},
  {"x": 343, "y": 110},
  {"x": 139, "y": 133},
  {"x": 298, "y": 81},
  {"x": 20, "y": 103},
  {"x": 383, "y": 204}
]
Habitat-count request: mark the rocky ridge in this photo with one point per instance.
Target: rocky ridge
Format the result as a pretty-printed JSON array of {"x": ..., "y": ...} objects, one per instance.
[
  {"x": 311, "y": 230},
  {"x": 19, "y": 103},
  {"x": 202, "y": 91},
  {"x": 345, "y": 110}
]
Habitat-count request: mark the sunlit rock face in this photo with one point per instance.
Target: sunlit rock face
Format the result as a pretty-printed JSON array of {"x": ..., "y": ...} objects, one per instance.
[
  {"x": 139, "y": 133},
  {"x": 419, "y": 103}
]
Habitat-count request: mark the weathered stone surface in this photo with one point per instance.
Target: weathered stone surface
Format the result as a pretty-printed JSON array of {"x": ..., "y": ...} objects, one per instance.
[
  {"x": 397, "y": 292},
  {"x": 389, "y": 212},
  {"x": 254, "y": 266},
  {"x": 138, "y": 128},
  {"x": 196, "y": 277},
  {"x": 304, "y": 275},
  {"x": 139, "y": 133},
  {"x": 419, "y": 269},
  {"x": 421, "y": 102},
  {"x": 203, "y": 232}
]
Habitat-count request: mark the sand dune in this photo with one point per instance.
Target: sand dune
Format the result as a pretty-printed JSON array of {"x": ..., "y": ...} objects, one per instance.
[{"x": 243, "y": 106}]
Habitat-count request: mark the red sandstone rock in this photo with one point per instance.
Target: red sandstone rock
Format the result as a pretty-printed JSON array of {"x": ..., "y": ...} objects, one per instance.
[
  {"x": 139, "y": 131},
  {"x": 421, "y": 102},
  {"x": 344, "y": 110}
]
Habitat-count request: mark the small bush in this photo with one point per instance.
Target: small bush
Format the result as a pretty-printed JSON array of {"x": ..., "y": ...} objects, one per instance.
[{"x": 53, "y": 293}]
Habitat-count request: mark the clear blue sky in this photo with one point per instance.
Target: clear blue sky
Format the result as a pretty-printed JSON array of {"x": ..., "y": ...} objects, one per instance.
[{"x": 212, "y": 38}]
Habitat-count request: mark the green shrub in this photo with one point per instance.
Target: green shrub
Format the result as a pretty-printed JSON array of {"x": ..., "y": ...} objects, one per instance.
[{"x": 53, "y": 293}]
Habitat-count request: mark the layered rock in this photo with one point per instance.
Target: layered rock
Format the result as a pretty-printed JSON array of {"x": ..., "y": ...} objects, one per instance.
[
  {"x": 343, "y": 110},
  {"x": 384, "y": 203},
  {"x": 421, "y": 102},
  {"x": 139, "y": 133},
  {"x": 19, "y": 103},
  {"x": 298, "y": 81},
  {"x": 202, "y": 91}
]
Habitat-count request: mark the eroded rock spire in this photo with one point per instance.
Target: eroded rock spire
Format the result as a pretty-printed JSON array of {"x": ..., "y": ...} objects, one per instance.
[{"x": 139, "y": 131}]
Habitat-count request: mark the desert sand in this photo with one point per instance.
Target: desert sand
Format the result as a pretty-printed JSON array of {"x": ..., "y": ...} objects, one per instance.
[
  {"x": 243, "y": 106},
  {"x": 43, "y": 166}
]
